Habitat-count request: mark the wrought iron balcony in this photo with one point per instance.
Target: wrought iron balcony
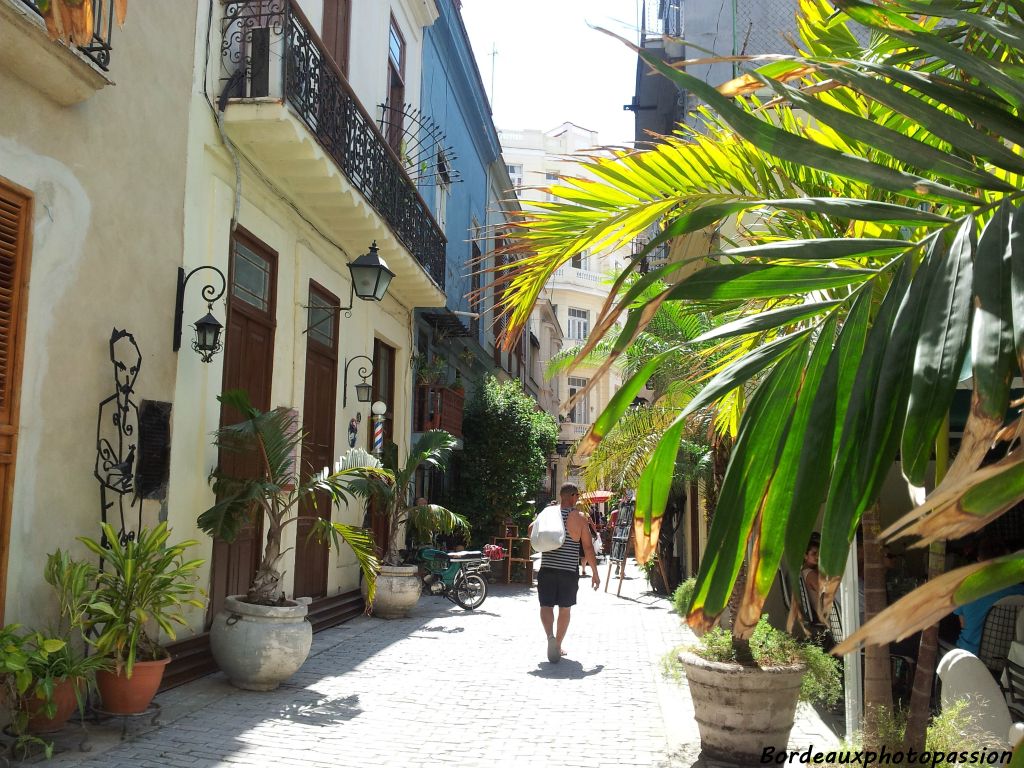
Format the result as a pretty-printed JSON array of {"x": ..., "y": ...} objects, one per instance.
[
  {"x": 269, "y": 49},
  {"x": 98, "y": 50}
]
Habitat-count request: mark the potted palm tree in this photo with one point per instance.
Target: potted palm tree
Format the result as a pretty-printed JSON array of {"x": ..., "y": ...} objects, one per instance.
[
  {"x": 261, "y": 638},
  {"x": 398, "y": 585}
]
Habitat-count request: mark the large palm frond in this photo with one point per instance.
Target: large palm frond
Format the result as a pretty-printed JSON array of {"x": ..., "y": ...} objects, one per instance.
[{"x": 879, "y": 213}]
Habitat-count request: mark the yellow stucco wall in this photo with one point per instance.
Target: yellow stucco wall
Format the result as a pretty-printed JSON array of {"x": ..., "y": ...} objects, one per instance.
[{"x": 108, "y": 182}]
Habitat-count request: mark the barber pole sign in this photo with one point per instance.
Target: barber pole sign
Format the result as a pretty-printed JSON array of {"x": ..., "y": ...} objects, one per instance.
[{"x": 378, "y": 436}]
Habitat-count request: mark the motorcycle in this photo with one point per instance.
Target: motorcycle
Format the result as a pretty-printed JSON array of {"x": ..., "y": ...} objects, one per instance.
[{"x": 457, "y": 576}]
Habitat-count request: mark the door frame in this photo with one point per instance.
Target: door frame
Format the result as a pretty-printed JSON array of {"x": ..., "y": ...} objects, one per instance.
[{"x": 16, "y": 357}]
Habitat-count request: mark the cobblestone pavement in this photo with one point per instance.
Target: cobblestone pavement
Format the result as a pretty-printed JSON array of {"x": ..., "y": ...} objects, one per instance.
[{"x": 449, "y": 688}]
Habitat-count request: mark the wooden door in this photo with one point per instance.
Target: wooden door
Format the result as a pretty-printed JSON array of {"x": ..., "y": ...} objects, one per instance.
[
  {"x": 383, "y": 391},
  {"x": 337, "y": 15},
  {"x": 248, "y": 365},
  {"x": 15, "y": 249},
  {"x": 318, "y": 405}
]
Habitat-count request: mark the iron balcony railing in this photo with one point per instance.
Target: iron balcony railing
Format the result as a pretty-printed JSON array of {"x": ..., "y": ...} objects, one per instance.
[
  {"x": 98, "y": 50},
  {"x": 268, "y": 48}
]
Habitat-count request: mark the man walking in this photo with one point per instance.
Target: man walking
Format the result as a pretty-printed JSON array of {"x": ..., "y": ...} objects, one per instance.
[{"x": 558, "y": 579}]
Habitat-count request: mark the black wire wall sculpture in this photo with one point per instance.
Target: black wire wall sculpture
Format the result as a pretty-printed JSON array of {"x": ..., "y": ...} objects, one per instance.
[{"x": 117, "y": 441}]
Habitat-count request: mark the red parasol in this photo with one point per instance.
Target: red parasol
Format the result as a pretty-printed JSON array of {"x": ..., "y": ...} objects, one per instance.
[{"x": 596, "y": 497}]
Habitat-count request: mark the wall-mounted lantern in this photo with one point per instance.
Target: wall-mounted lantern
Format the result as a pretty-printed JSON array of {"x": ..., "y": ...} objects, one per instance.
[
  {"x": 207, "y": 341},
  {"x": 370, "y": 280},
  {"x": 364, "y": 391}
]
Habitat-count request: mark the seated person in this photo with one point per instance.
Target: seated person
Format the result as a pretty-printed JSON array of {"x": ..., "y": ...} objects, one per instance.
[
  {"x": 972, "y": 615},
  {"x": 810, "y": 577}
]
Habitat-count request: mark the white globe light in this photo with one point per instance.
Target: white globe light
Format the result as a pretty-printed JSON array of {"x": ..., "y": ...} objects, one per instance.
[{"x": 379, "y": 408}]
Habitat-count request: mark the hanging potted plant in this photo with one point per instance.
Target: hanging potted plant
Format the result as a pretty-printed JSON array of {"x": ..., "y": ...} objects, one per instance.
[
  {"x": 261, "y": 638},
  {"x": 398, "y": 585},
  {"x": 143, "y": 588}
]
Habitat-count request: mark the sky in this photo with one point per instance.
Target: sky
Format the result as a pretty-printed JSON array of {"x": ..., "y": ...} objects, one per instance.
[{"x": 551, "y": 67}]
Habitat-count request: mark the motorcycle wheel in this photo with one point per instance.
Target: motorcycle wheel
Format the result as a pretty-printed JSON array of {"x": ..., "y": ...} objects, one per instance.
[{"x": 470, "y": 591}]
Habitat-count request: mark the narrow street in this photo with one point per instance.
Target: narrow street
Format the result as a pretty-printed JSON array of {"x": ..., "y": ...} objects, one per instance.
[{"x": 448, "y": 688}]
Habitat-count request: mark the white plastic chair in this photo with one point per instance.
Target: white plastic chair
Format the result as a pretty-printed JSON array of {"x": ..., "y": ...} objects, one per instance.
[{"x": 965, "y": 677}]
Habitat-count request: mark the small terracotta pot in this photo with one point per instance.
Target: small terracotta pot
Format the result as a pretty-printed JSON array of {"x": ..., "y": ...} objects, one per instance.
[
  {"x": 65, "y": 701},
  {"x": 123, "y": 695}
]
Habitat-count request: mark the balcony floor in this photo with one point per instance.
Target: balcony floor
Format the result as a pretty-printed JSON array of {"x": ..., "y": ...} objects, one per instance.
[{"x": 280, "y": 145}]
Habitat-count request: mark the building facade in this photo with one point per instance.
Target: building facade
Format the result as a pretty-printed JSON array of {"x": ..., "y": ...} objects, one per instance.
[
  {"x": 573, "y": 298},
  {"x": 92, "y": 221}
]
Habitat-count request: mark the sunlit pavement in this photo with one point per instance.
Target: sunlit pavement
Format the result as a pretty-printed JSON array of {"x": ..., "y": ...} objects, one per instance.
[{"x": 447, "y": 687}]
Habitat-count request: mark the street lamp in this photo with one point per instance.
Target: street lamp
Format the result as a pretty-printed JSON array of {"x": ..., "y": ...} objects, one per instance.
[
  {"x": 370, "y": 280},
  {"x": 364, "y": 391},
  {"x": 370, "y": 276},
  {"x": 207, "y": 341}
]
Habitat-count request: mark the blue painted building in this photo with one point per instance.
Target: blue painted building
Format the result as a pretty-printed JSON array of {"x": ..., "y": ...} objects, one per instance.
[{"x": 464, "y": 181}]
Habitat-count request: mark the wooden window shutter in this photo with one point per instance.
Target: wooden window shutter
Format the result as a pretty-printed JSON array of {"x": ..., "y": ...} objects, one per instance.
[{"x": 15, "y": 232}]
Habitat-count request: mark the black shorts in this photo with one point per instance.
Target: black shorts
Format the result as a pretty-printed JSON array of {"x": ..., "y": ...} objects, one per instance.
[{"x": 556, "y": 586}]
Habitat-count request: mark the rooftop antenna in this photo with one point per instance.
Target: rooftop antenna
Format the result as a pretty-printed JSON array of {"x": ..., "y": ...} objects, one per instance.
[{"x": 494, "y": 55}]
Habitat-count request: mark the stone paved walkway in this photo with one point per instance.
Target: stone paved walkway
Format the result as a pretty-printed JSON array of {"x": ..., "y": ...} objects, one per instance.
[{"x": 449, "y": 688}]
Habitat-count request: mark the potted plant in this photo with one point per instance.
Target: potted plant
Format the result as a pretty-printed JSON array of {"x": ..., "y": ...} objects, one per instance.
[
  {"x": 431, "y": 371},
  {"x": 398, "y": 585},
  {"x": 745, "y": 706},
  {"x": 261, "y": 638},
  {"x": 143, "y": 588}
]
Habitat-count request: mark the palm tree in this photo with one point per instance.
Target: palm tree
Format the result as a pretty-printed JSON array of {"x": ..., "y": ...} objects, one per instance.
[
  {"x": 878, "y": 199},
  {"x": 391, "y": 494},
  {"x": 274, "y": 491}
]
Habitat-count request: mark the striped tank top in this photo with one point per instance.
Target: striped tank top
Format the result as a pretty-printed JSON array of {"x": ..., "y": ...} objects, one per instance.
[{"x": 567, "y": 556}]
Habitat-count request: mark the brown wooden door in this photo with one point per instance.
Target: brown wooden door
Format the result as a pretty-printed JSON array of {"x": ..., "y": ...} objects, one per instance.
[
  {"x": 318, "y": 406},
  {"x": 384, "y": 391},
  {"x": 248, "y": 365},
  {"x": 15, "y": 249},
  {"x": 336, "y": 31}
]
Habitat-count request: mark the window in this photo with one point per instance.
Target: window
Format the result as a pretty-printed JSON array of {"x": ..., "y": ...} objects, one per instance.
[
  {"x": 475, "y": 299},
  {"x": 395, "y": 106},
  {"x": 550, "y": 179},
  {"x": 579, "y": 324},
  {"x": 337, "y": 15},
  {"x": 444, "y": 186},
  {"x": 251, "y": 277},
  {"x": 581, "y": 260},
  {"x": 322, "y": 320},
  {"x": 580, "y": 412},
  {"x": 515, "y": 172}
]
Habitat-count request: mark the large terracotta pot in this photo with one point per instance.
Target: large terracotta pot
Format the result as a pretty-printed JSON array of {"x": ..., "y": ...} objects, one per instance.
[
  {"x": 65, "y": 702},
  {"x": 742, "y": 710},
  {"x": 398, "y": 591},
  {"x": 260, "y": 646},
  {"x": 123, "y": 695}
]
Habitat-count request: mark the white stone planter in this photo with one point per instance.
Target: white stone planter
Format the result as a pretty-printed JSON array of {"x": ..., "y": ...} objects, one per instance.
[
  {"x": 398, "y": 591},
  {"x": 260, "y": 646},
  {"x": 742, "y": 710}
]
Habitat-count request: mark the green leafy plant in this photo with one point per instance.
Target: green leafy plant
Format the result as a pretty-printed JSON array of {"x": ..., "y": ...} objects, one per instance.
[
  {"x": 274, "y": 490},
  {"x": 769, "y": 647},
  {"x": 391, "y": 491},
  {"x": 507, "y": 443},
  {"x": 144, "y": 586},
  {"x": 682, "y": 596},
  {"x": 432, "y": 370},
  {"x": 26, "y": 676}
]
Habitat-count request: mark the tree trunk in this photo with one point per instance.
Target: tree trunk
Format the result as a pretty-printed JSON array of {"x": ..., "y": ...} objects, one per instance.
[
  {"x": 928, "y": 651},
  {"x": 877, "y": 673}
]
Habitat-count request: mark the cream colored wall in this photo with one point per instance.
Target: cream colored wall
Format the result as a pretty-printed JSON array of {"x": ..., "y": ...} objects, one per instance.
[
  {"x": 108, "y": 178},
  {"x": 302, "y": 254}
]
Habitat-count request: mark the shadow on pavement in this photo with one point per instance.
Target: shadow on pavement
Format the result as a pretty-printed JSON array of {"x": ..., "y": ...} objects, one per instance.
[
  {"x": 566, "y": 669},
  {"x": 320, "y": 711}
]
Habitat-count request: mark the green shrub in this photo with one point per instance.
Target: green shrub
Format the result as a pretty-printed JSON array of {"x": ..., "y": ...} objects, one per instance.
[
  {"x": 822, "y": 681},
  {"x": 682, "y": 596}
]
